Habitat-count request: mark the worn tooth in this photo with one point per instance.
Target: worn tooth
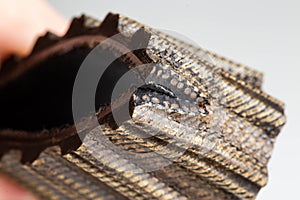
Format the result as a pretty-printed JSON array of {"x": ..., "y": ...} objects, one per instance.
[
  {"x": 109, "y": 26},
  {"x": 70, "y": 144},
  {"x": 139, "y": 42},
  {"x": 76, "y": 27},
  {"x": 44, "y": 42},
  {"x": 31, "y": 154},
  {"x": 140, "y": 39}
]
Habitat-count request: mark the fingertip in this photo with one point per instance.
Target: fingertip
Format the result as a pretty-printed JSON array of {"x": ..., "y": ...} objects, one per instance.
[
  {"x": 23, "y": 22},
  {"x": 10, "y": 190}
]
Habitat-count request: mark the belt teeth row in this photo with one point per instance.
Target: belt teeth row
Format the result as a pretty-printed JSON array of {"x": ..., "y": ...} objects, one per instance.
[{"x": 252, "y": 119}]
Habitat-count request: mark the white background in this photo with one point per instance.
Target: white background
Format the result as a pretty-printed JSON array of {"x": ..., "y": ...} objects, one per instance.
[{"x": 262, "y": 34}]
